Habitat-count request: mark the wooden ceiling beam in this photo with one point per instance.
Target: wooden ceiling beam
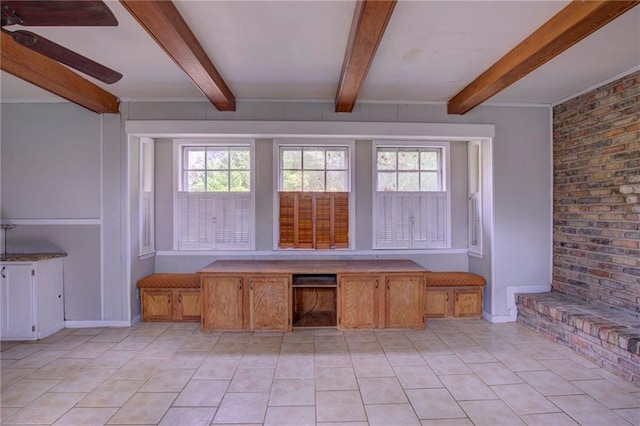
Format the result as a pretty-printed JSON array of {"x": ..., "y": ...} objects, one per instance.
[
  {"x": 166, "y": 26},
  {"x": 53, "y": 77},
  {"x": 573, "y": 23},
  {"x": 370, "y": 20}
]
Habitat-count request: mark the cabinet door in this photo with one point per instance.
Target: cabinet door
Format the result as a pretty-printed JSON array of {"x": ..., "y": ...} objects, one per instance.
[
  {"x": 17, "y": 302},
  {"x": 358, "y": 301},
  {"x": 438, "y": 303},
  {"x": 468, "y": 303},
  {"x": 222, "y": 305},
  {"x": 187, "y": 304},
  {"x": 269, "y": 306},
  {"x": 49, "y": 296},
  {"x": 156, "y": 304},
  {"x": 404, "y": 301}
]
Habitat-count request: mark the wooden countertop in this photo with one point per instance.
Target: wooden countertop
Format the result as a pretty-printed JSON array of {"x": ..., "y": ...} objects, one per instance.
[{"x": 310, "y": 266}]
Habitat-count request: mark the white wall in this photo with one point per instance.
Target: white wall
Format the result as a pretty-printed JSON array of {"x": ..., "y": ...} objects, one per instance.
[
  {"x": 50, "y": 169},
  {"x": 522, "y": 170},
  {"x": 56, "y": 132}
]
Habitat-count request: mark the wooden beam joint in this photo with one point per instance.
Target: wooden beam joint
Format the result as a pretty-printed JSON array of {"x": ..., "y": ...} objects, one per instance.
[
  {"x": 573, "y": 23},
  {"x": 53, "y": 77},
  {"x": 166, "y": 26},
  {"x": 370, "y": 20}
]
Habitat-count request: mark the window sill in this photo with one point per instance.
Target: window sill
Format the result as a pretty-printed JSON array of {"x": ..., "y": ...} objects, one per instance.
[
  {"x": 146, "y": 256},
  {"x": 475, "y": 254},
  {"x": 308, "y": 252}
]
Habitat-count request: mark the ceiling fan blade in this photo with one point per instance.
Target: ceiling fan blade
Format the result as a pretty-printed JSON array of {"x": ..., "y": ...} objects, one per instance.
[
  {"x": 84, "y": 13},
  {"x": 62, "y": 54}
]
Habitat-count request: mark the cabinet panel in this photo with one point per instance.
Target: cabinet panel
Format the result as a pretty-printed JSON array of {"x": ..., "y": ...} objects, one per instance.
[
  {"x": 187, "y": 304},
  {"x": 223, "y": 303},
  {"x": 358, "y": 301},
  {"x": 156, "y": 304},
  {"x": 50, "y": 306},
  {"x": 269, "y": 306},
  {"x": 438, "y": 303},
  {"x": 17, "y": 301},
  {"x": 404, "y": 301},
  {"x": 468, "y": 303}
]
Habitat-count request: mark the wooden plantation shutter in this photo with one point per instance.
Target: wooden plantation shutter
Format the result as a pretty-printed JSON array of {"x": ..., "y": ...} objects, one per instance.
[
  {"x": 318, "y": 220},
  {"x": 305, "y": 220},
  {"x": 323, "y": 220},
  {"x": 287, "y": 219},
  {"x": 340, "y": 219}
]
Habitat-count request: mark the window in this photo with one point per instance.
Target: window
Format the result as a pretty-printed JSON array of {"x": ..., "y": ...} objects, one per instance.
[
  {"x": 314, "y": 169},
  {"x": 215, "y": 201},
  {"x": 475, "y": 197},
  {"x": 146, "y": 197},
  {"x": 411, "y": 202},
  {"x": 314, "y": 189}
]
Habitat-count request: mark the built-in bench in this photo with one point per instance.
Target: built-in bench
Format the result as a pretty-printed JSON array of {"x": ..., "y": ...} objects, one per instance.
[
  {"x": 453, "y": 295},
  {"x": 170, "y": 297},
  {"x": 610, "y": 338}
]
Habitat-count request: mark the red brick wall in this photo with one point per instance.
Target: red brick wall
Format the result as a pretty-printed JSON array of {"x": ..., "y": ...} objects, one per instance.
[{"x": 596, "y": 191}]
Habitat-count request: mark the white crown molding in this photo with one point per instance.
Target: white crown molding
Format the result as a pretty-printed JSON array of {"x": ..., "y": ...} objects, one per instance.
[{"x": 596, "y": 86}]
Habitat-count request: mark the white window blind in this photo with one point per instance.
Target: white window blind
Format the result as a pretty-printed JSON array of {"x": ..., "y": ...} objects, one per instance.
[
  {"x": 146, "y": 197},
  {"x": 411, "y": 220},
  {"x": 475, "y": 197},
  {"x": 214, "y": 221}
]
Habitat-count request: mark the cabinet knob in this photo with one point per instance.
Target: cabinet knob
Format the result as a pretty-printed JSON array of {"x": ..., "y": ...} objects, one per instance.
[
  {"x": 3, "y": 269},
  {"x": 59, "y": 296}
]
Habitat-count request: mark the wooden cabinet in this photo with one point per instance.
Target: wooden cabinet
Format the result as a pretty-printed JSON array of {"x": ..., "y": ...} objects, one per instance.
[
  {"x": 270, "y": 305},
  {"x": 32, "y": 299},
  {"x": 259, "y": 294},
  {"x": 156, "y": 304},
  {"x": 167, "y": 304},
  {"x": 222, "y": 303},
  {"x": 438, "y": 303},
  {"x": 404, "y": 301},
  {"x": 358, "y": 301},
  {"x": 187, "y": 304},
  {"x": 467, "y": 302},
  {"x": 457, "y": 302}
]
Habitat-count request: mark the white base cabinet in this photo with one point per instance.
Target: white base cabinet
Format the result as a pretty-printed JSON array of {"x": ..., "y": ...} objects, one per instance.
[{"x": 32, "y": 299}]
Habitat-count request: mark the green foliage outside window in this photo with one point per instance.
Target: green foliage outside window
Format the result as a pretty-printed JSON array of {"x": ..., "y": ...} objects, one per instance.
[{"x": 216, "y": 169}]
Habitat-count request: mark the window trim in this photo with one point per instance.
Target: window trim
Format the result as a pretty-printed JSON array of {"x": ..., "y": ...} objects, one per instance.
[
  {"x": 444, "y": 146},
  {"x": 351, "y": 149},
  {"x": 178, "y": 144}
]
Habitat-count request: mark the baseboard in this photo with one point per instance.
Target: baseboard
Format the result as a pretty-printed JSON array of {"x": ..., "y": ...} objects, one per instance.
[
  {"x": 511, "y": 296},
  {"x": 496, "y": 319},
  {"x": 97, "y": 324},
  {"x": 49, "y": 332}
]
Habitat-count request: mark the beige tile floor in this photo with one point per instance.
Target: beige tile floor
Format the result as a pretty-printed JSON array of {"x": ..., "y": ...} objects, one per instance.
[{"x": 452, "y": 373}]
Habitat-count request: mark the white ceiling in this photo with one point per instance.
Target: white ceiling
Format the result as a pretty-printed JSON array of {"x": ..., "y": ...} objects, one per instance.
[{"x": 294, "y": 50}]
